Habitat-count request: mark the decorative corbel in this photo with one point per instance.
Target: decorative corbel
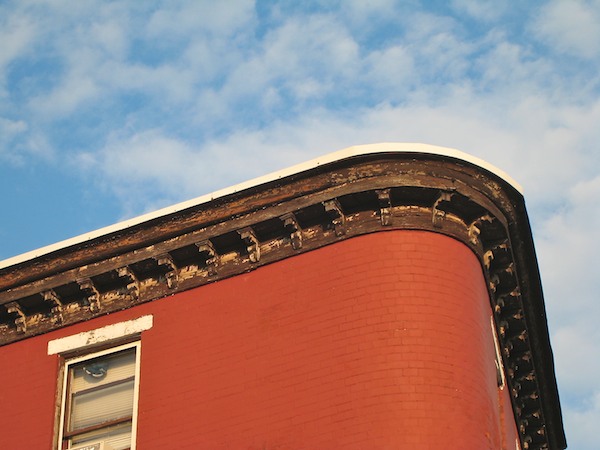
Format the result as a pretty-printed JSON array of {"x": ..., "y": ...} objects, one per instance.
[
  {"x": 525, "y": 383},
  {"x": 385, "y": 206},
  {"x": 538, "y": 431},
  {"x": 133, "y": 284},
  {"x": 474, "y": 228},
  {"x": 336, "y": 215},
  {"x": 516, "y": 344},
  {"x": 290, "y": 223},
  {"x": 507, "y": 303},
  {"x": 522, "y": 365},
  {"x": 21, "y": 319},
  {"x": 494, "y": 282},
  {"x": 510, "y": 269},
  {"x": 212, "y": 259},
  {"x": 252, "y": 245},
  {"x": 487, "y": 259},
  {"x": 172, "y": 274},
  {"x": 91, "y": 293},
  {"x": 503, "y": 280},
  {"x": 512, "y": 332},
  {"x": 57, "y": 306},
  {"x": 437, "y": 214},
  {"x": 494, "y": 253},
  {"x": 530, "y": 397},
  {"x": 503, "y": 329},
  {"x": 527, "y": 440}
]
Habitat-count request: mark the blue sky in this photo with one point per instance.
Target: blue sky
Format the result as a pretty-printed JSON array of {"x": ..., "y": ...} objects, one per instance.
[{"x": 112, "y": 109}]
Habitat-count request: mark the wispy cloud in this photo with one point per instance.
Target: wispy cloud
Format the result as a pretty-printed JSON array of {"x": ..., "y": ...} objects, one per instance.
[{"x": 571, "y": 26}]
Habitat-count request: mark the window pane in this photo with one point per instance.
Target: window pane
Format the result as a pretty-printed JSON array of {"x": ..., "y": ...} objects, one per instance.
[
  {"x": 101, "y": 405},
  {"x": 118, "y": 437},
  {"x": 103, "y": 370}
]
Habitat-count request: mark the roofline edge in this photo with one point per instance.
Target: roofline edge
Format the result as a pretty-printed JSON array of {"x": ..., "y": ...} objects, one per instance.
[{"x": 336, "y": 156}]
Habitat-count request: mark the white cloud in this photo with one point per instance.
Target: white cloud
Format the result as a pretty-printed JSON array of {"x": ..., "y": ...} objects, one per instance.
[
  {"x": 483, "y": 10},
  {"x": 522, "y": 140},
  {"x": 391, "y": 69},
  {"x": 569, "y": 242},
  {"x": 101, "y": 52},
  {"x": 573, "y": 346},
  {"x": 316, "y": 48},
  {"x": 181, "y": 19},
  {"x": 148, "y": 161},
  {"x": 437, "y": 43},
  {"x": 507, "y": 66},
  {"x": 18, "y": 143},
  {"x": 9, "y": 128},
  {"x": 16, "y": 34},
  {"x": 66, "y": 98},
  {"x": 581, "y": 421},
  {"x": 111, "y": 37},
  {"x": 9, "y": 132},
  {"x": 366, "y": 10},
  {"x": 571, "y": 26}
]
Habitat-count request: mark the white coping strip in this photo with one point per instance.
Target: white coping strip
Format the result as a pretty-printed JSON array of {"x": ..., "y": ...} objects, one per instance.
[
  {"x": 100, "y": 335},
  {"x": 340, "y": 155}
]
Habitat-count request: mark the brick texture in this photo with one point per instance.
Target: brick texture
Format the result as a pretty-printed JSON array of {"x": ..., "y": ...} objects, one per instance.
[{"x": 377, "y": 342}]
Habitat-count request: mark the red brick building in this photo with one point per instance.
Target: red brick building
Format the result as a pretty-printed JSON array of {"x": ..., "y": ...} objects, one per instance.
[{"x": 381, "y": 297}]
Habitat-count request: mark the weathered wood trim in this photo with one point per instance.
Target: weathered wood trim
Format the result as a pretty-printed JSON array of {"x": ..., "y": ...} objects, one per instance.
[{"x": 391, "y": 172}]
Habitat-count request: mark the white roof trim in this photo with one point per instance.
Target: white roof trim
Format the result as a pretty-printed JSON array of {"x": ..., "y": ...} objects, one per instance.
[{"x": 340, "y": 155}]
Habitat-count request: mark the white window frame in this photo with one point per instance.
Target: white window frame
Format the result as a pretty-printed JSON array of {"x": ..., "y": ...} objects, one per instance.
[
  {"x": 92, "y": 344},
  {"x": 110, "y": 333},
  {"x": 69, "y": 362}
]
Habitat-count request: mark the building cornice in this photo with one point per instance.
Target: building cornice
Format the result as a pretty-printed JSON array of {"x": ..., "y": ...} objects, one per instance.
[
  {"x": 299, "y": 211},
  {"x": 347, "y": 153}
]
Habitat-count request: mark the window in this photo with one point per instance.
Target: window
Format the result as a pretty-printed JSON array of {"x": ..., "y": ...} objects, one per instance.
[{"x": 99, "y": 400}]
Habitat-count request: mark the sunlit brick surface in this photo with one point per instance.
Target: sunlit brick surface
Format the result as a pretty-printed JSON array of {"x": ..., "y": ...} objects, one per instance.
[
  {"x": 377, "y": 342},
  {"x": 382, "y": 341}
]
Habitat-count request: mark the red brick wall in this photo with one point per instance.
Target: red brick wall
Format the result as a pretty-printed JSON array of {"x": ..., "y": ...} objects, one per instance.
[
  {"x": 510, "y": 434},
  {"x": 27, "y": 395},
  {"x": 377, "y": 342}
]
